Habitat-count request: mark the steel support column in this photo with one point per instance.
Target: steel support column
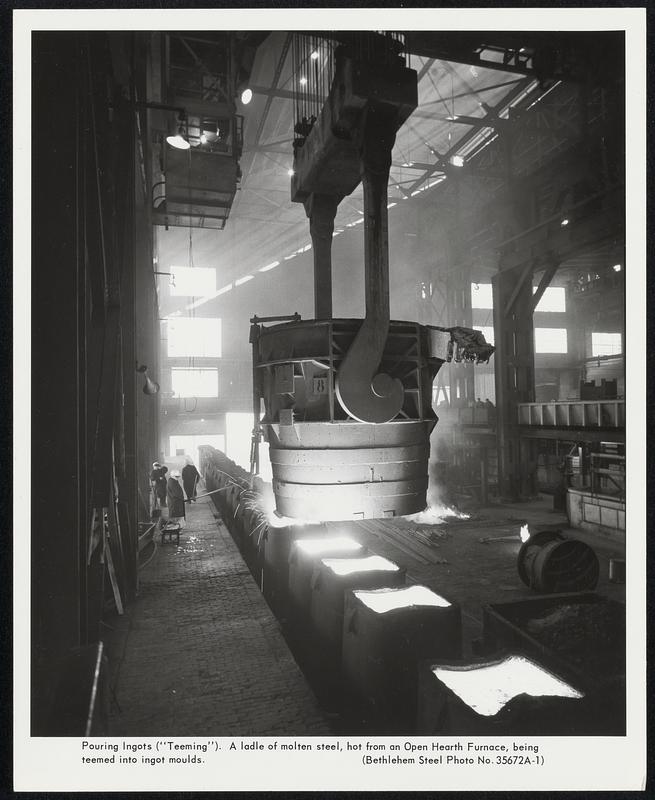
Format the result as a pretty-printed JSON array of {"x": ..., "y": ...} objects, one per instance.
[
  {"x": 321, "y": 210},
  {"x": 514, "y": 374}
]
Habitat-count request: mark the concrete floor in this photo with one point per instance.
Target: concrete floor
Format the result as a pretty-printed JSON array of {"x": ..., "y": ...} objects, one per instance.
[
  {"x": 473, "y": 573},
  {"x": 200, "y": 652}
]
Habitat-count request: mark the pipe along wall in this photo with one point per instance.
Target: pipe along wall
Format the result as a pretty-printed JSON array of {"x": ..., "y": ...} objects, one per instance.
[{"x": 383, "y": 656}]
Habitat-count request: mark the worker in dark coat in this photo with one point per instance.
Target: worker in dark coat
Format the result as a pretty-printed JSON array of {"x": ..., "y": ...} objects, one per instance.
[
  {"x": 190, "y": 478},
  {"x": 158, "y": 482},
  {"x": 175, "y": 497}
]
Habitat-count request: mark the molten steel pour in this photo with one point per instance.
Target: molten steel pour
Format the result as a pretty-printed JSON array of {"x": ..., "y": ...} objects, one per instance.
[
  {"x": 381, "y": 600},
  {"x": 346, "y": 566},
  {"x": 487, "y": 689}
]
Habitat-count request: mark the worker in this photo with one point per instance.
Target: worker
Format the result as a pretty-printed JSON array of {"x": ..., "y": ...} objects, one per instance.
[
  {"x": 175, "y": 497},
  {"x": 158, "y": 483},
  {"x": 190, "y": 478}
]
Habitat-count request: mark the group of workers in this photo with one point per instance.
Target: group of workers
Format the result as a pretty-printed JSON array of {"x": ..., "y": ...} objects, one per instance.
[{"x": 168, "y": 492}]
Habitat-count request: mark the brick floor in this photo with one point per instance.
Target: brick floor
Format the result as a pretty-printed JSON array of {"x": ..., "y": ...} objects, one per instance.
[{"x": 200, "y": 652}]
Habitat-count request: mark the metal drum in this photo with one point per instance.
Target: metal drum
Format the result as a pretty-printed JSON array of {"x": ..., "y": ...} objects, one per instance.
[{"x": 549, "y": 562}]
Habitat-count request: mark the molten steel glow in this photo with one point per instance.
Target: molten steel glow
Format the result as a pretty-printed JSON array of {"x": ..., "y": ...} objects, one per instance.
[
  {"x": 266, "y": 502},
  {"x": 488, "y": 688},
  {"x": 277, "y": 521},
  {"x": 346, "y": 566},
  {"x": 316, "y": 546},
  {"x": 381, "y": 600},
  {"x": 524, "y": 533},
  {"x": 434, "y": 515}
]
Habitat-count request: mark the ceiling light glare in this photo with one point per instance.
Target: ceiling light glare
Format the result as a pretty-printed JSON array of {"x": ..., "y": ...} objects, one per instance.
[
  {"x": 272, "y": 265},
  {"x": 391, "y": 205},
  {"x": 203, "y": 139},
  {"x": 290, "y": 172},
  {"x": 617, "y": 268},
  {"x": 564, "y": 223},
  {"x": 314, "y": 55},
  {"x": 457, "y": 161},
  {"x": 243, "y": 280},
  {"x": 224, "y": 289},
  {"x": 303, "y": 81},
  {"x": 288, "y": 258},
  {"x": 246, "y": 96}
]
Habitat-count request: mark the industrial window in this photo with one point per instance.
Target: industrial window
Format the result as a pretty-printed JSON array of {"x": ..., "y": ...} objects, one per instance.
[
  {"x": 605, "y": 344},
  {"x": 195, "y": 382},
  {"x": 440, "y": 394},
  {"x": 550, "y": 340},
  {"x": 553, "y": 299},
  {"x": 194, "y": 336},
  {"x": 193, "y": 281},
  {"x": 487, "y": 331},
  {"x": 481, "y": 295}
]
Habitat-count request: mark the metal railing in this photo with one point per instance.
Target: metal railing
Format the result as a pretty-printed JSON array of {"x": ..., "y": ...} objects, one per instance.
[{"x": 573, "y": 414}]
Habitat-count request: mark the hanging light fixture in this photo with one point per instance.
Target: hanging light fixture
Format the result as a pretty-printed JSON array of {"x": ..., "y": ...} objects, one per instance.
[
  {"x": 150, "y": 386},
  {"x": 180, "y": 139}
]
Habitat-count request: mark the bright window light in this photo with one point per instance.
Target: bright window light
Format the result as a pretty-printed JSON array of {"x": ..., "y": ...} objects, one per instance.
[
  {"x": 246, "y": 96},
  {"x": 238, "y": 436},
  {"x": 553, "y": 299},
  {"x": 487, "y": 331},
  {"x": 488, "y": 688},
  {"x": 195, "y": 382},
  {"x": 381, "y": 600},
  {"x": 188, "y": 445},
  {"x": 550, "y": 340},
  {"x": 440, "y": 394},
  {"x": 605, "y": 344},
  {"x": 193, "y": 281},
  {"x": 481, "y": 295},
  {"x": 270, "y": 266},
  {"x": 457, "y": 161},
  {"x": 346, "y": 566},
  {"x": 194, "y": 336}
]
